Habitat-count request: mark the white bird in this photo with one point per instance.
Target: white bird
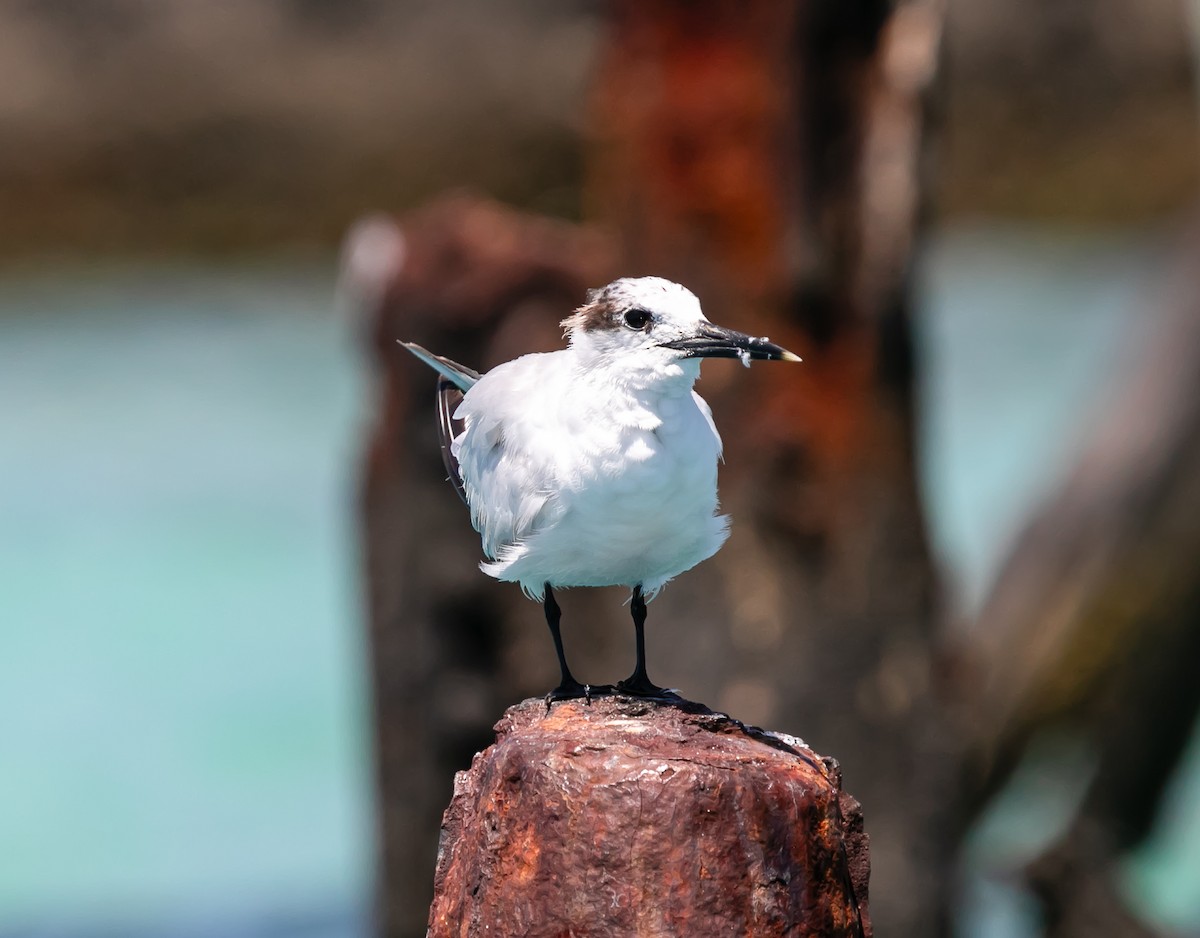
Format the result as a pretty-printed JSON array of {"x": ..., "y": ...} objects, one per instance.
[{"x": 596, "y": 465}]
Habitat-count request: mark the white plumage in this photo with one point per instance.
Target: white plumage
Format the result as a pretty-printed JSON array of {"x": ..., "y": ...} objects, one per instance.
[{"x": 596, "y": 465}]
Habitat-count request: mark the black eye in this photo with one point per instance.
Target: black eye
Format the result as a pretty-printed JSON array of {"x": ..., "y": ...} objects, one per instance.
[{"x": 638, "y": 319}]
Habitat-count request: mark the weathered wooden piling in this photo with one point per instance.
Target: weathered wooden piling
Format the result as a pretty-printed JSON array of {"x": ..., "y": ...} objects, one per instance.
[{"x": 628, "y": 817}]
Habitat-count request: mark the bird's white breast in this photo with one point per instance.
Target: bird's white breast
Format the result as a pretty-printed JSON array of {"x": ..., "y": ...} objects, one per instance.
[{"x": 617, "y": 484}]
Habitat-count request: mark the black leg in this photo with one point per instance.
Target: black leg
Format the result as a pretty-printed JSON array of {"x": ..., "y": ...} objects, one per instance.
[
  {"x": 569, "y": 688},
  {"x": 638, "y": 684}
]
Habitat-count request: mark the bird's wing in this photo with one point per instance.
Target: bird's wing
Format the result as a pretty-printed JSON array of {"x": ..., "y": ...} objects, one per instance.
[
  {"x": 509, "y": 455},
  {"x": 460, "y": 375},
  {"x": 447, "y": 399},
  {"x": 454, "y": 380}
]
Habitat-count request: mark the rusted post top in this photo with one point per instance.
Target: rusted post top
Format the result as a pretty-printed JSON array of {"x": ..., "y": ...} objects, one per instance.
[{"x": 628, "y": 817}]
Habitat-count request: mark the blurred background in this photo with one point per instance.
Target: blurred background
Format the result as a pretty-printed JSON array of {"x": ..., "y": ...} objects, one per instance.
[{"x": 243, "y": 642}]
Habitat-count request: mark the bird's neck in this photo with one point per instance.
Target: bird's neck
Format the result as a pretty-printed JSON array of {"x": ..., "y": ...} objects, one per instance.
[{"x": 641, "y": 376}]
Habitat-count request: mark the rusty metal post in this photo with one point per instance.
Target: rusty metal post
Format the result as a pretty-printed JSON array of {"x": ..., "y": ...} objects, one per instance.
[{"x": 634, "y": 818}]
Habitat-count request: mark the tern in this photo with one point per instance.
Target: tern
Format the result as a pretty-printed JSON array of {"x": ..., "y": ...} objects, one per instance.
[{"x": 596, "y": 465}]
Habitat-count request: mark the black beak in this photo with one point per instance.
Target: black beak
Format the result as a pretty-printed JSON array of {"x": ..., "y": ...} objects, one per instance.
[{"x": 718, "y": 342}]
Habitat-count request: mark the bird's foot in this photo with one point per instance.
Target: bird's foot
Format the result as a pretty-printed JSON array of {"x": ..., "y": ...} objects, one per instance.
[
  {"x": 638, "y": 685},
  {"x": 573, "y": 690}
]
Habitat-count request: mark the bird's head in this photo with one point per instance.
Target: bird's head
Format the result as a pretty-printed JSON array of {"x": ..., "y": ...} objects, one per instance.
[{"x": 656, "y": 324}]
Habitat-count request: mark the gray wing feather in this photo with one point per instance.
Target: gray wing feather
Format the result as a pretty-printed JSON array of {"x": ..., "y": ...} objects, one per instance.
[
  {"x": 454, "y": 380},
  {"x": 448, "y": 397},
  {"x": 503, "y": 512},
  {"x": 462, "y": 376}
]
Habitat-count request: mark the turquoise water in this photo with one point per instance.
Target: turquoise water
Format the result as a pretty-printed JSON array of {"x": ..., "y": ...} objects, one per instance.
[
  {"x": 1021, "y": 331},
  {"x": 183, "y": 742},
  {"x": 181, "y": 687}
]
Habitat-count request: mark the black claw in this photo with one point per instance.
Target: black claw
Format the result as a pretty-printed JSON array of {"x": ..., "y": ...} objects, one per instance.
[
  {"x": 572, "y": 690},
  {"x": 640, "y": 686}
]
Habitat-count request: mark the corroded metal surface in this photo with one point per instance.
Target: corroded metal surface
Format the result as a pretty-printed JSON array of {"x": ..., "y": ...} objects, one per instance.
[{"x": 650, "y": 819}]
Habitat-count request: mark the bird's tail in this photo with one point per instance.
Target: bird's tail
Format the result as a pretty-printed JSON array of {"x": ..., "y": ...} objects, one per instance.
[{"x": 460, "y": 376}]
